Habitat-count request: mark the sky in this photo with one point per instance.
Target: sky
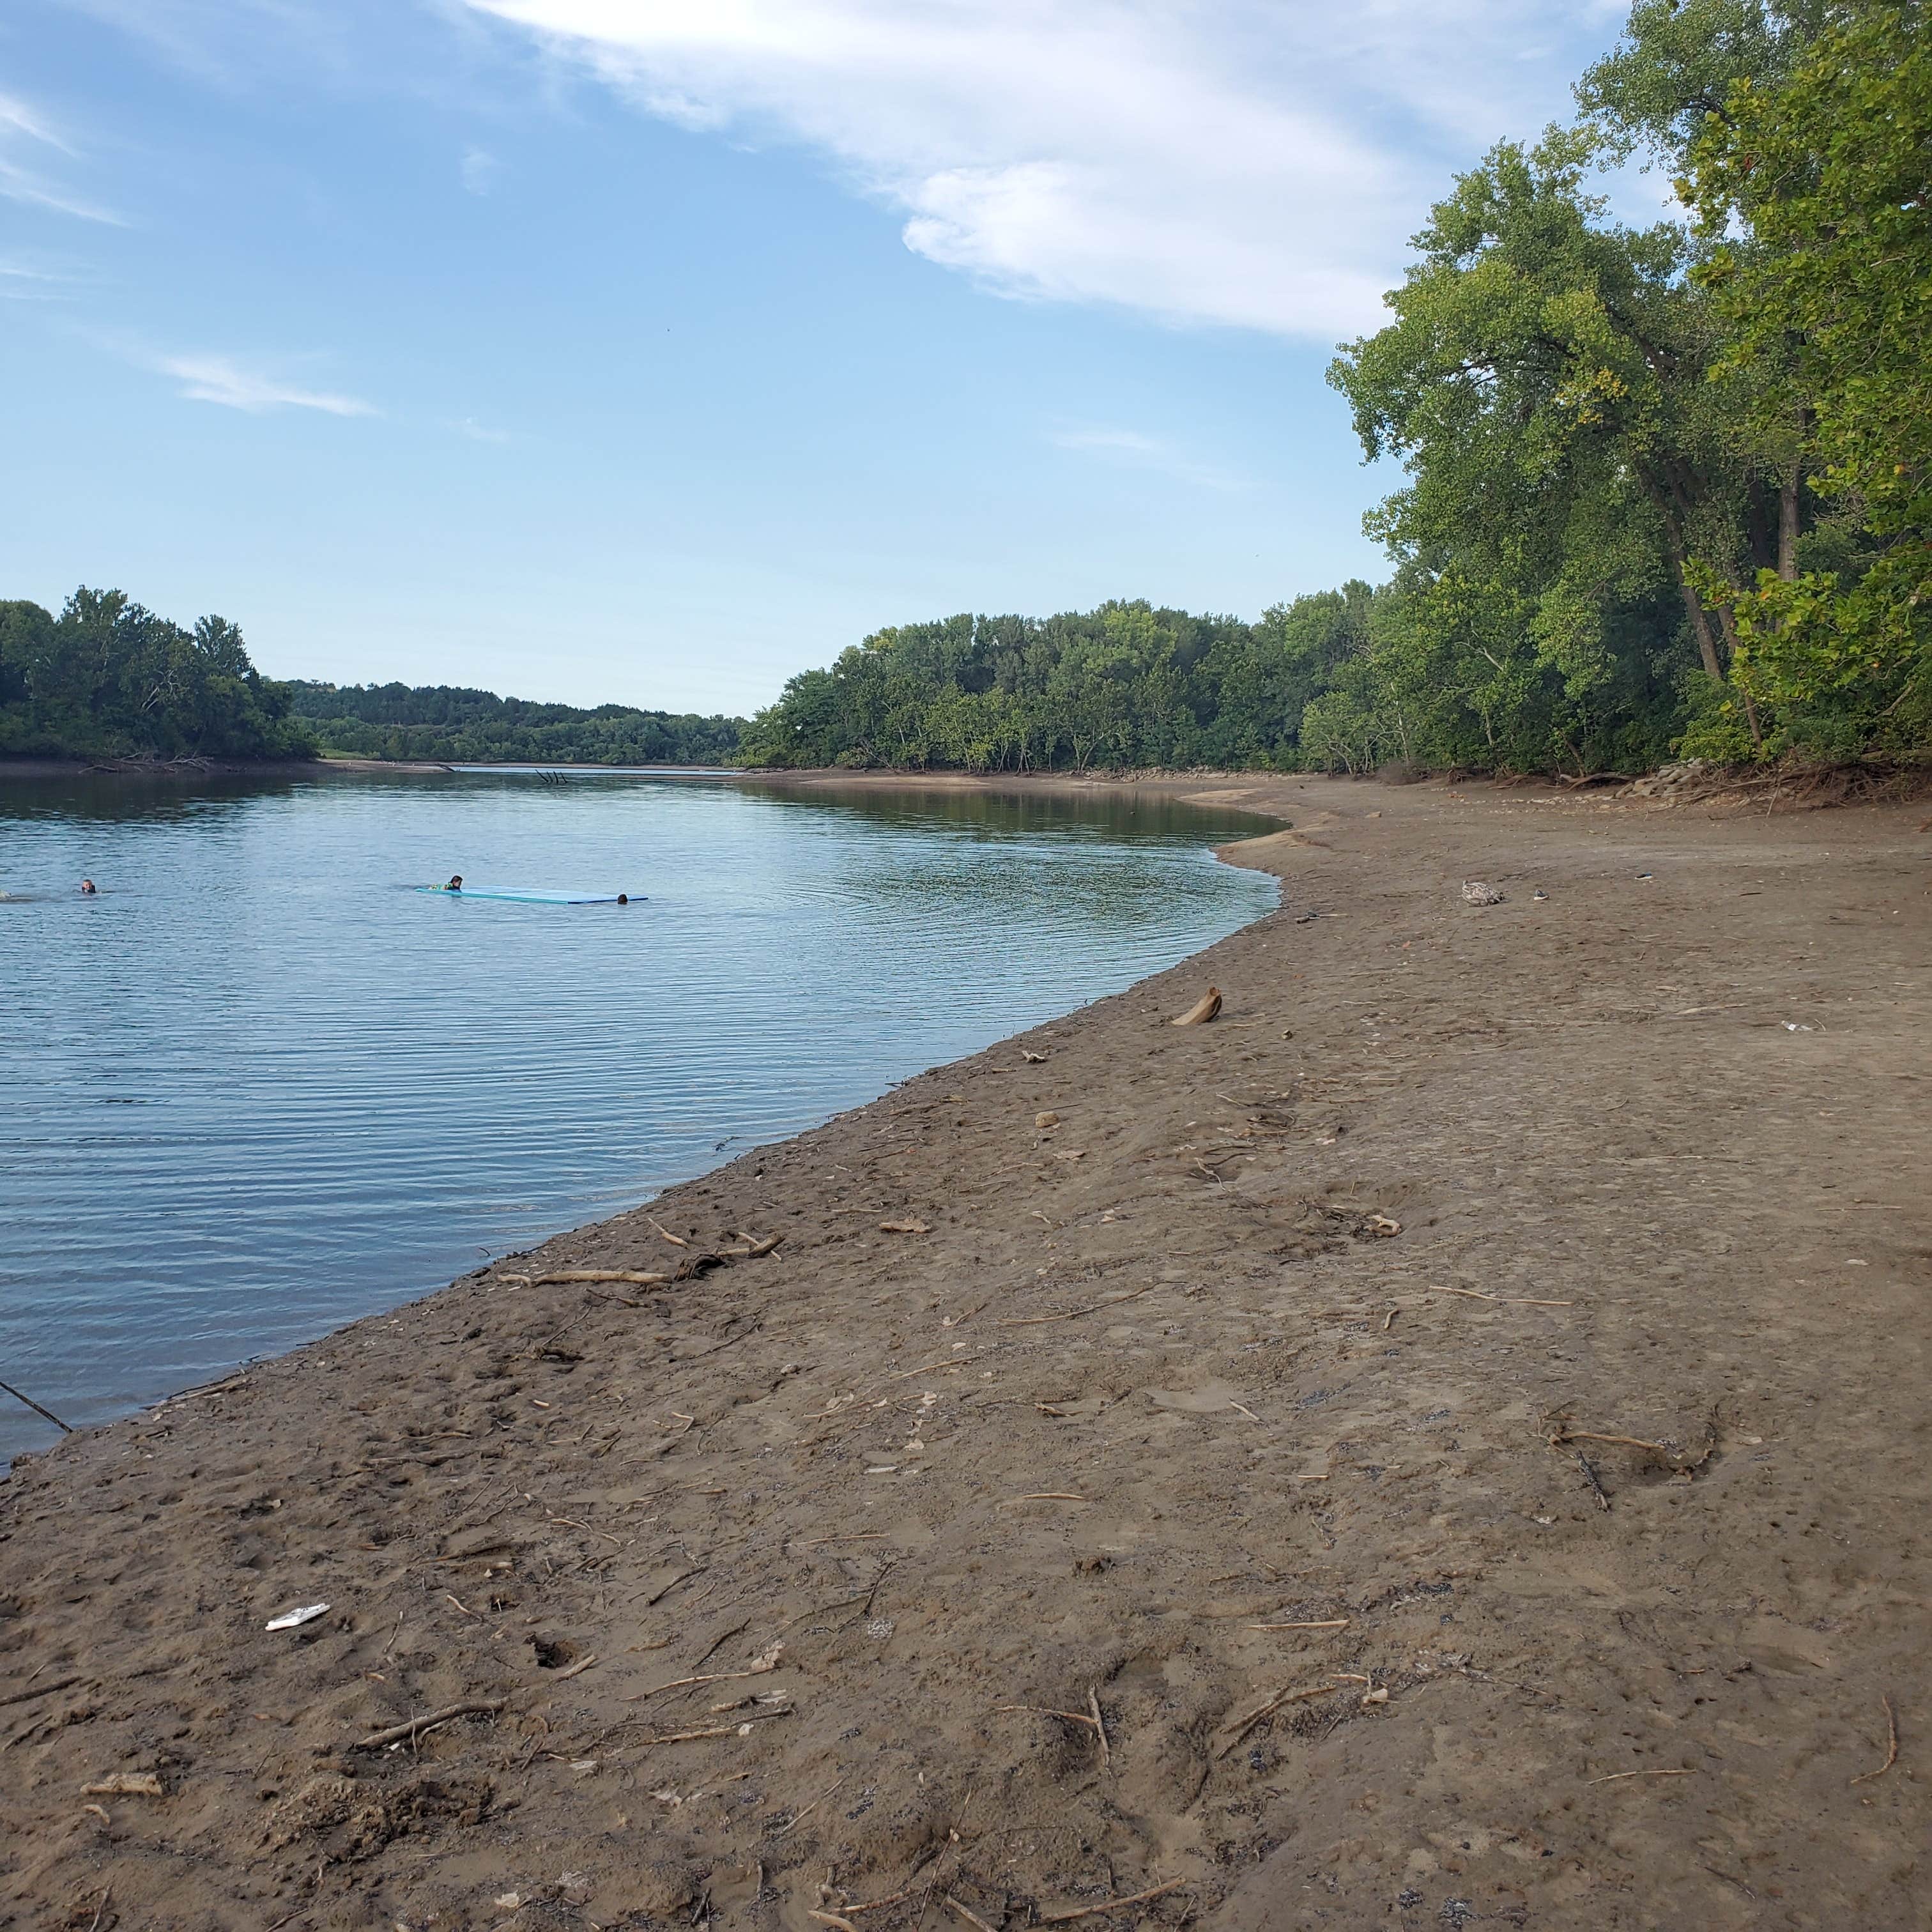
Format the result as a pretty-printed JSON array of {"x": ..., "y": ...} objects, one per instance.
[{"x": 651, "y": 351}]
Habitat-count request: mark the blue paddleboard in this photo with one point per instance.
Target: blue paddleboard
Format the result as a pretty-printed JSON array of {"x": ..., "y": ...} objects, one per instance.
[{"x": 530, "y": 895}]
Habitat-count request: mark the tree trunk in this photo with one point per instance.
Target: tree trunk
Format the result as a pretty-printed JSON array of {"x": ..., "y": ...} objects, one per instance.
[
  {"x": 1700, "y": 628},
  {"x": 1787, "y": 526}
]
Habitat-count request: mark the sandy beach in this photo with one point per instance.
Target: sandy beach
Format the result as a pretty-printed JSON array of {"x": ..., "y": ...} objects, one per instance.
[{"x": 1445, "y": 1444}]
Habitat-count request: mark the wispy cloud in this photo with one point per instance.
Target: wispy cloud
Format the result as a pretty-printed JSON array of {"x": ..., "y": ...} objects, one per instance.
[
  {"x": 1134, "y": 450},
  {"x": 1259, "y": 162},
  {"x": 479, "y": 170},
  {"x": 27, "y": 281},
  {"x": 16, "y": 117},
  {"x": 219, "y": 379},
  {"x": 468, "y": 426},
  {"x": 23, "y": 127}
]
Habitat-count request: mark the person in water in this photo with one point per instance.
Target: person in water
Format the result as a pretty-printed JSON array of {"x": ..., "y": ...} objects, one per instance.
[
  {"x": 87, "y": 885},
  {"x": 455, "y": 882}
]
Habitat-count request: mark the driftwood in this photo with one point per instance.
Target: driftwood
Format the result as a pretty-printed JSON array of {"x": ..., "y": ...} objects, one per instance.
[
  {"x": 1203, "y": 1010},
  {"x": 409, "y": 1733}
]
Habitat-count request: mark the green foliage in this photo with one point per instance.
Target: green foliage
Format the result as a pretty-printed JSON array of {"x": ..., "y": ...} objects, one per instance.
[
  {"x": 1125, "y": 684},
  {"x": 1816, "y": 190},
  {"x": 109, "y": 679},
  {"x": 1671, "y": 484},
  {"x": 453, "y": 725}
]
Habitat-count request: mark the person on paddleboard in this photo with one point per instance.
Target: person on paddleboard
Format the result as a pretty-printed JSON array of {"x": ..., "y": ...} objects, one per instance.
[{"x": 455, "y": 882}]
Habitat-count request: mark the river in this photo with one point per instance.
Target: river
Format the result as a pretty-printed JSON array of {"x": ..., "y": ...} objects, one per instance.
[{"x": 258, "y": 1087}]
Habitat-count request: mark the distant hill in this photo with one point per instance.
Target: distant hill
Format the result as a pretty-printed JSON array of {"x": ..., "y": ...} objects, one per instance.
[{"x": 456, "y": 725}]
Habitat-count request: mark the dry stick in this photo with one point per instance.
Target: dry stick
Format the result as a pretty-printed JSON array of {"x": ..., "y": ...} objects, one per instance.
[
  {"x": 409, "y": 1733},
  {"x": 93, "y": 1924},
  {"x": 1583, "y": 1462},
  {"x": 36, "y": 1408},
  {"x": 1508, "y": 1300},
  {"x": 832, "y": 1918},
  {"x": 966, "y": 1912},
  {"x": 1244, "y": 1725},
  {"x": 799, "y": 1817},
  {"x": 1067, "y": 1314},
  {"x": 636, "y": 1276},
  {"x": 715, "y": 1677},
  {"x": 1567, "y": 1436},
  {"x": 1891, "y": 1749},
  {"x": 676, "y": 1240},
  {"x": 1072, "y": 1717},
  {"x": 1388, "y": 1320},
  {"x": 1112, "y": 1904},
  {"x": 39, "y": 1690},
  {"x": 1615, "y": 1775},
  {"x": 1327, "y": 1623},
  {"x": 713, "y": 1730},
  {"x": 1100, "y": 1728},
  {"x": 1047, "y": 1496}
]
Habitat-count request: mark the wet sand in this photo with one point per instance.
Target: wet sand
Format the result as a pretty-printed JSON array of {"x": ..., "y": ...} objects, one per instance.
[{"x": 1445, "y": 1444}]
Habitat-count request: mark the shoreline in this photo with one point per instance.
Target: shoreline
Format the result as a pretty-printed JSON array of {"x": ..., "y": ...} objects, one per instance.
[{"x": 1239, "y": 1375}]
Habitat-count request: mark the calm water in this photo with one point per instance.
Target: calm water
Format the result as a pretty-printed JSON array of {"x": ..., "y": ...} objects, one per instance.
[{"x": 258, "y": 1088}]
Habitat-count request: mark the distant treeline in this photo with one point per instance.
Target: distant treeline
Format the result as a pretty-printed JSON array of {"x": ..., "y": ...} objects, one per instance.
[
  {"x": 457, "y": 726},
  {"x": 1124, "y": 685},
  {"x": 1670, "y": 489},
  {"x": 108, "y": 678}
]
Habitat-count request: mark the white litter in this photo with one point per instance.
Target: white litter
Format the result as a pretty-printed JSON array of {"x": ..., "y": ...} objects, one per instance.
[{"x": 294, "y": 1619}]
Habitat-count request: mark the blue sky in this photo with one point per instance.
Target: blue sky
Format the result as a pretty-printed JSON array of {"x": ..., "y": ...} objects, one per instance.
[{"x": 650, "y": 350}]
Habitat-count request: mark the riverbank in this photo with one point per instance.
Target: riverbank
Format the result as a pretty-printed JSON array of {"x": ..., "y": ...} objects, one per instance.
[
  {"x": 195, "y": 770},
  {"x": 1443, "y": 1443}
]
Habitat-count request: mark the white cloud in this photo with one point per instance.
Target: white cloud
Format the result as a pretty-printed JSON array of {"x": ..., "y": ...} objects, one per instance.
[
  {"x": 22, "y": 125},
  {"x": 468, "y": 426},
  {"x": 216, "y": 378},
  {"x": 1131, "y": 448},
  {"x": 22, "y": 281},
  {"x": 479, "y": 170},
  {"x": 1259, "y": 163}
]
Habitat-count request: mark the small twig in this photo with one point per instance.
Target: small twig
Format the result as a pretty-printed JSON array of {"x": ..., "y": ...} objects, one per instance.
[
  {"x": 38, "y": 1690},
  {"x": 1112, "y": 1904},
  {"x": 1584, "y": 1463},
  {"x": 799, "y": 1817},
  {"x": 1041, "y": 1710},
  {"x": 1100, "y": 1728},
  {"x": 966, "y": 1912},
  {"x": 93, "y": 1924},
  {"x": 1615, "y": 1775},
  {"x": 1565, "y": 1435},
  {"x": 763, "y": 1667},
  {"x": 862, "y": 1536},
  {"x": 1244, "y": 1725},
  {"x": 1507, "y": 1301},
  {"x": 409, "y": 1733},
  {"x": 1891, "y": 1748},
  {"x": 1067, "y": 1314},
  {"x": 676, "y": 1240},
  {"x": 833, "y": 1919},
  {"x": 714, "y": 1730},
  {"x": 1388, "y": 1320},
  {"x": 37, "y": 1408},
  {"x": 1047, "y": 1496},
  {"x": 1325, "y": 1623}
]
